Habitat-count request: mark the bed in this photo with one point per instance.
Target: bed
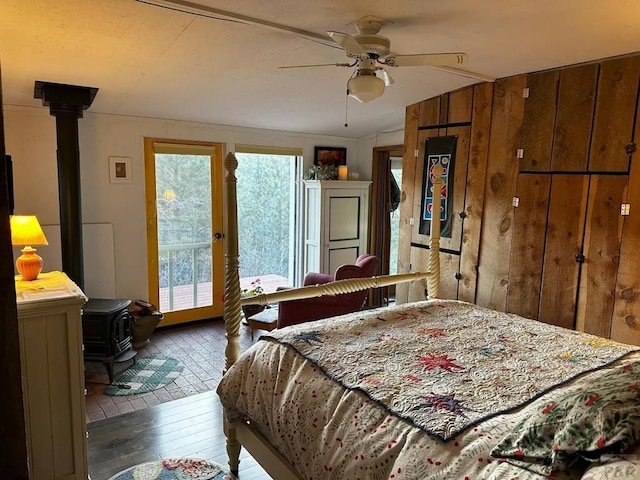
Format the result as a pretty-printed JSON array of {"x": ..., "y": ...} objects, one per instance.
[{"x": 438, "y": 389}]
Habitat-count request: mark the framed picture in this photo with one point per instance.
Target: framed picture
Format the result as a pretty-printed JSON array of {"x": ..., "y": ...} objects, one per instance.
[
  {"x": 120, "y": 169},
  {"x": 330, "y": 156}
]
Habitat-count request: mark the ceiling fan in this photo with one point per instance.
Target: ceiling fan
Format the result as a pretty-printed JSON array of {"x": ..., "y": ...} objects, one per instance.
[{"x": 371, "y": 52}]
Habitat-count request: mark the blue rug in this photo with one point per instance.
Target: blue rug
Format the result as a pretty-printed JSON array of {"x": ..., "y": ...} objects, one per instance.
[
  {"x": 176, "y": 469},
  {"x": 146, "y": 374}
]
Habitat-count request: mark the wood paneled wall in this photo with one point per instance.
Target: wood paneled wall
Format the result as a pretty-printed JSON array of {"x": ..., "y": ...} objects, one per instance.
[{"x": 558, "y": 144}]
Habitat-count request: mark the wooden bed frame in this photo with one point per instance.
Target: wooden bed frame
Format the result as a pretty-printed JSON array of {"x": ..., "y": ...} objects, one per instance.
[{"x": 245, "y": 434}]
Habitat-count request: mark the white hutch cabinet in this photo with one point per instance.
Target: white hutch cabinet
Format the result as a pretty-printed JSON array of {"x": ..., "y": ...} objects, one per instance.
[
  {"x": 336, "y": 223},
  {"x": 50, "y": 332}
]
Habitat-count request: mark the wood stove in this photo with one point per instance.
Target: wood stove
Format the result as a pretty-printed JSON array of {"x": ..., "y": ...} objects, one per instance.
[{"x": 106, "y": 332}]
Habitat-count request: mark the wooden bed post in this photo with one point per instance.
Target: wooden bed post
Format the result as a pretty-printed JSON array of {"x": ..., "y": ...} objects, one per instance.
[
  {"x": 433, "y": 265},
  {"x": 231, "y": 296},
  {"x": 242, "y": 432}
]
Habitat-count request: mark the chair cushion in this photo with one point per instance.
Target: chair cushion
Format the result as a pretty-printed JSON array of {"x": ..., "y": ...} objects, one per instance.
[{"x": 317, "y": 278}]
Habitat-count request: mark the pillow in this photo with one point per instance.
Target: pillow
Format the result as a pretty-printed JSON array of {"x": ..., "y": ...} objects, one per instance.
[
  {"x": 618, "y": 467},
  {"x": 593, "y": 416}
]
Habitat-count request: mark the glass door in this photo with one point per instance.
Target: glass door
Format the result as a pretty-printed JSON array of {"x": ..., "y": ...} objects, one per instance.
[
  {"x": 267, "y": 228},
  {"x": 184, "y": 229},
  {"x": 396, "y": 176}
]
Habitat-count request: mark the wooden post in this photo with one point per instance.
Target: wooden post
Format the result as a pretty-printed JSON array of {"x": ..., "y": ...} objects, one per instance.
[
  {"x": 433, "y": 266},
  {"x": 231, "y": 297}
]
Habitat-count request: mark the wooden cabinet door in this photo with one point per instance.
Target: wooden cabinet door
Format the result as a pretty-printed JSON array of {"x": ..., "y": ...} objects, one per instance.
[
  {"x": 539, "y": 120},
  {"x": 574, "y": 118},
  {"x": 563, "y": 247},
  {"x": 565, "y": 250},
  {"x": 614, "y": 114},
  {"x": 601, "y": 249}
]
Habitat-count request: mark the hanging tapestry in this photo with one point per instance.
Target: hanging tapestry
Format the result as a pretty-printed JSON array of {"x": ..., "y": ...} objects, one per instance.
[{"x": 438, "y": 151}]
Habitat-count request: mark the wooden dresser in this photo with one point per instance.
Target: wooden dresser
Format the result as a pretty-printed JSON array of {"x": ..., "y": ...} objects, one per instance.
[{"x": 50, "y": 332}]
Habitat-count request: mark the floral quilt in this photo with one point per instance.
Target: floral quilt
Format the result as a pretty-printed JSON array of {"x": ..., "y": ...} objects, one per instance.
[{"x": 445, "y": 366}]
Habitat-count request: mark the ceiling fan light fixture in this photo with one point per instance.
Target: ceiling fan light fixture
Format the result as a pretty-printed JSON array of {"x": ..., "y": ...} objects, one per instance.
[{"x": 365, "y": 88}]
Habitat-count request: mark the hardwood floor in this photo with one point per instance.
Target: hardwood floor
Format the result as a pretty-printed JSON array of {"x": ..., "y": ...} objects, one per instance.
[
  {"x": 190, "y": 426},
  {"x": 174, "y": 421}
]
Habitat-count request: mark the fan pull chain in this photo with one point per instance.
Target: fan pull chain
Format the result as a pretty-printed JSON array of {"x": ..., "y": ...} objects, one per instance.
[{"x": 346, "y": 109}]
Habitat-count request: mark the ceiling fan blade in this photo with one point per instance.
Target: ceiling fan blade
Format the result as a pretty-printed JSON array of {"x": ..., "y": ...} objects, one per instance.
[
  {"x": 320, "y": 65},
  {"x": 384, "y": 75},
  {"x": 426, "y": 59},
  {"x": 349, "y": 43},
  {"x": 193, "y": 8},
  {"x": 466, "y": 73}
]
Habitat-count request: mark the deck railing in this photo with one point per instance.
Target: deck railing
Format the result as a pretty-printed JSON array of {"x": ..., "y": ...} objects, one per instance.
[
  {"x": 170, "y": 251},
  {"x": 185, "y": 295}
]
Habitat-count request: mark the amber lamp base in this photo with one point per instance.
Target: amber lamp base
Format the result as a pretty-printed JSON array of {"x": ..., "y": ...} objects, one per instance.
[{"x": 29, "y": 264}]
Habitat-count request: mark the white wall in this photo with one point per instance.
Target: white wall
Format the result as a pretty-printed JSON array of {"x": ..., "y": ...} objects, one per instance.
[
  {"x": 31, "y": 140},
  {"x": 366, "y": 145}
]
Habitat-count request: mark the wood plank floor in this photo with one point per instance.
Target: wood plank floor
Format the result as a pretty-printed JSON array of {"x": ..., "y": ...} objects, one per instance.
[{"x": 190, "y": 426}]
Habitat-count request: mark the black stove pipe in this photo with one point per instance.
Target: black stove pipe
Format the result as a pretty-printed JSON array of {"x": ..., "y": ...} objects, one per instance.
[{"x": 66, "y": 103}]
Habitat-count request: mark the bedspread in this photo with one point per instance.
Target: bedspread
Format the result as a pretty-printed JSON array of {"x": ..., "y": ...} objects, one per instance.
[
  {"x": 447, "y": 365},
  {"x": 328, "y": 431}
]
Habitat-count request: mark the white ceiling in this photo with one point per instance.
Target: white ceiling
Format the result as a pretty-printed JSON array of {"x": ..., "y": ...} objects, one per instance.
[{"x": 153, "y": 62}]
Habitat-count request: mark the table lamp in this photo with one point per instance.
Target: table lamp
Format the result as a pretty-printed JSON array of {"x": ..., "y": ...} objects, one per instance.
[{"x": 25, "y": 230}]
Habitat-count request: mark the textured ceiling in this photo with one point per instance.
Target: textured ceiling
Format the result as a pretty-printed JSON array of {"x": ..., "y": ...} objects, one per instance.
[{"x": 154, "y": 62}]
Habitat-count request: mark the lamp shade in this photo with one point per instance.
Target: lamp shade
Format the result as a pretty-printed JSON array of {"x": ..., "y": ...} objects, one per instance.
[
  {"x": 25, "y": 230},
  {"x": 365, "y": 88}
]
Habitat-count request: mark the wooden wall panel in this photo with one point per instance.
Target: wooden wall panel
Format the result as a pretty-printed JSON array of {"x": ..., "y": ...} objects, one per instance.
[
  {"x": 412, "y": 116},
  {"x": 474, "y": 198},
  {"x": 419, "y": 259},
  {"x": 497, "y": 130},
  {"x": 444, "y": 109},
  {"x": 449, "y": 266},
  {"x": 576, "y": 102},
  {"x": 429, "y": 112},
  {"x": 529, "y": 229},
  {"x": 602, "y": 250},
  {"x": 539, "y": 120},
  {"x": 502, "y": 172},
  {"x": 626, "y": 312},
  {"x": 565, "y": 231},
  {"x": 460, "y": 105},
  {"x": 615, "y": 111}
]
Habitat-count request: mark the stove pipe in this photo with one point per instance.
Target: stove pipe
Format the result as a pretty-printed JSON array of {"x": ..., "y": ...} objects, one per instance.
[{"x": 66, "y": 103}]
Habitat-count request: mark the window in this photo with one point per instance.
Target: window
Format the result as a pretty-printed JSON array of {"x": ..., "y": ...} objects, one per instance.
[{"x": 267, "y": 213}]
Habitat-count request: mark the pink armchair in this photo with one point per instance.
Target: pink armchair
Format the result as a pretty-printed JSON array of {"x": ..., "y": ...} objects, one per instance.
[{"x": 292, "y": 312}]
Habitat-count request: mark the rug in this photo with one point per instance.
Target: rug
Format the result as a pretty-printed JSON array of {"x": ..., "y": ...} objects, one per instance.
[
  {"x": 146, "y": 374},
  {"x": 176, "y": 469}
]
